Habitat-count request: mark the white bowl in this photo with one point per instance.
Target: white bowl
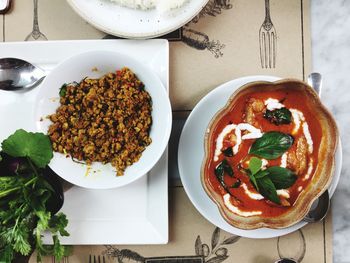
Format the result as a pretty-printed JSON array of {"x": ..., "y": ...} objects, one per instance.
[
  {"x": 129, "y": 23},
  {"x": 100, "y": 176}
]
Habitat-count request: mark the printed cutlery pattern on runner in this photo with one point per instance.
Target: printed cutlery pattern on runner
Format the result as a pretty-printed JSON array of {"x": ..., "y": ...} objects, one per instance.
[{"x": 268, "y": 40}]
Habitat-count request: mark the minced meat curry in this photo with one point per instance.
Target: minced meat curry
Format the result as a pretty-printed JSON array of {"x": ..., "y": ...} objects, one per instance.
[{"x": 104, "y": 120}]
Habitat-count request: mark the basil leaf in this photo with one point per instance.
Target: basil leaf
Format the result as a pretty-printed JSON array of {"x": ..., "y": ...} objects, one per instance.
[
  {"x": 279, "y": 116},
  {"x": 261, "y": 174},
  {"x": 268, "y": 189},
  {"x": 254, "y": 165},
  {"x": 236, "y": 184},
  {"x": 228, "y": 152},
  {"x": 252, "y": 179},
  {"x": 227, "y": 168},
  {"x": 271, "y": 145},
  {"x": 281, "y": 177},
  {"x": 63, "y": 90},
  {"x": 219, "y": 172}
]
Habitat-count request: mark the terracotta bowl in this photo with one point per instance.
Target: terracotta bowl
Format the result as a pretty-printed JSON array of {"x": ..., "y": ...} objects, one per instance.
[{"x": 322, "y": 176}]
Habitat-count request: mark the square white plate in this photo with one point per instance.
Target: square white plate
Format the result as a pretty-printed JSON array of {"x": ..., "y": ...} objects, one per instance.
[{"x": 134, "y": 214}]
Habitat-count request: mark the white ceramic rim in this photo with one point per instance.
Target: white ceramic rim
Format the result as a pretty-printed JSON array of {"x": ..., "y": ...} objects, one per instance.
[{"x": 125, "y": 34}]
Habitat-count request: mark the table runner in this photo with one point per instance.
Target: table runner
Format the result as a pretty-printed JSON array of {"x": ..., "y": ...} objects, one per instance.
[
  {"x": 220, "y": 44},
  {"x": 192, "y": 239}
]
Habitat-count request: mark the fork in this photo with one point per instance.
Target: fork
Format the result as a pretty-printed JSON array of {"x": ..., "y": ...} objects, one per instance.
[
  {"x": 267, "y": 40},
  {"x": 64, "y": 260},
  {"x": 94, "y": 259}
]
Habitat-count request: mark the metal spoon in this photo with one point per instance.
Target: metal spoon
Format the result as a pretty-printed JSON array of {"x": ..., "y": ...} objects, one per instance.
[
  {"x": 18, "y": 74},
  {"x": 319, "y": 208}
]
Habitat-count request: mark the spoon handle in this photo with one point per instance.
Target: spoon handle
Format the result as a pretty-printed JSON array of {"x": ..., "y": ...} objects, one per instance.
[{"x": 315, "y": 81}]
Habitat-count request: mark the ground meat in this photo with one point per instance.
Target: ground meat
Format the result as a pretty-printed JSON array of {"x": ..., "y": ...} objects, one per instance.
[
  {"x": 253, "y": 106},
  {"x": 104, "y": 120},
  {"x": 297, "y": 160}
]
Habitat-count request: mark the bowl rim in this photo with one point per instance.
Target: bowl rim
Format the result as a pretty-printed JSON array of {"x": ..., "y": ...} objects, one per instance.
[
  {"x": 153, "y": 34},
  {"x": 160, "y": 89},
  {"x": 303, "y": 210}
]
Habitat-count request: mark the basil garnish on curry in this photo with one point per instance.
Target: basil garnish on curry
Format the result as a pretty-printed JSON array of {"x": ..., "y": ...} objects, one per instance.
[
  {"x": 269, "y": 180},
  {"x": 266, "y": 181},
  {"x": 279, "y": 116},
  {"x": 271, "y": 145}
]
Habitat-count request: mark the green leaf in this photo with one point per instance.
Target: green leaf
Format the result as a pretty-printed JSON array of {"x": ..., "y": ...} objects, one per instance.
[
  {"x": 43, "y": 222},
  {"x": 63, "y": 90},
  {"x": 221, "y": 169},
  {"x": 236, "y": 184},
  {"x": 6, "y": 254},
  {"x": 279, "y": 116},
  {"x": 219, "y": 172},
  {"x": 252, "y": 179},
  {"x": 21, "y": 240},
  {"x": 254, "y": 165},
  {"x": 57, "y": 248},
  {"x": 271, "y": 145},
  {"x": 58, "y": 223},
  {"x": 228, "y": 152},
  {"x": 281, "y": 177},
  {"x": 261, "y": 174},
  {"x": 268, "y": 189},
  {"x": 35, "y": 146},
  {"x": 227, "y": 168}
]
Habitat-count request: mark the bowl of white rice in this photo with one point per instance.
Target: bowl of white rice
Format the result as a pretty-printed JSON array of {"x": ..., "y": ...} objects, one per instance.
[{"x": 137, "y": 19}]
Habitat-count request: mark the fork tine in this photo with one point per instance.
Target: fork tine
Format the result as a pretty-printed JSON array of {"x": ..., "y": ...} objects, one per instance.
[
  {"x": 270, "y": 48},
  {"x": 266, "y": 54},
  {"x": 274, "y": 40},
  {"x": 261, "y": 48}
]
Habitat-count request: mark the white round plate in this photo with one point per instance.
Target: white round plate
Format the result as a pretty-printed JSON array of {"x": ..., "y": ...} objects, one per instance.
[
  {"x": 191, "y": 154},
  {"x": 130, "y": 23},
  {"x": 100, "y": 176}
]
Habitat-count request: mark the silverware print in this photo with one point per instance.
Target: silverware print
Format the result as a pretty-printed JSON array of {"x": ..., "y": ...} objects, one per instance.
[
  {"x": 268, "y": 40},
  {"x": 35, "y": 34}
]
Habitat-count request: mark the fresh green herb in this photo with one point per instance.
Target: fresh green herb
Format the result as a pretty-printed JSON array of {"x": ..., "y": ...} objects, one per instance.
[
  {"x": 254, "y": 165},
  {"x": 253, "y": 180},
  {"x": 268, "y": 189},
  {"x": 35, "y": 146},
  {"x": 227, "y": 168},
  {"x": 267, "y": 181},
  {"x": 261, "y": 174},
  {"x": 63, "y": 90},
  {"x": 220, "y": 170},
  {"x": 24, "y": 197},
  {"x": 279, "y": 116},
  {"x": 281, "y": 177},
  {"x": 228, "y": 152},
  {"x": 271, "y": 145},
  {"x": 236, "y": 184}
]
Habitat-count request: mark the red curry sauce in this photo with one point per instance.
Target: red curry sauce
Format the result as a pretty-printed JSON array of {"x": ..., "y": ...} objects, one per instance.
[{"x": 292, "y": 100}]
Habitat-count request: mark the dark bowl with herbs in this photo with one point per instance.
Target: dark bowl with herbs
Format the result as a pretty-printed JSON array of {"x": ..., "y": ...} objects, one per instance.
[{"x": 31, "y": 195}]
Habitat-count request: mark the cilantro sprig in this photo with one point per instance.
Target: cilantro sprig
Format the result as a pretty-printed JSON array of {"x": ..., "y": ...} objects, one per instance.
[
  {"x": 24, "y": 198},
  {"x": 269, "y": 180}
]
